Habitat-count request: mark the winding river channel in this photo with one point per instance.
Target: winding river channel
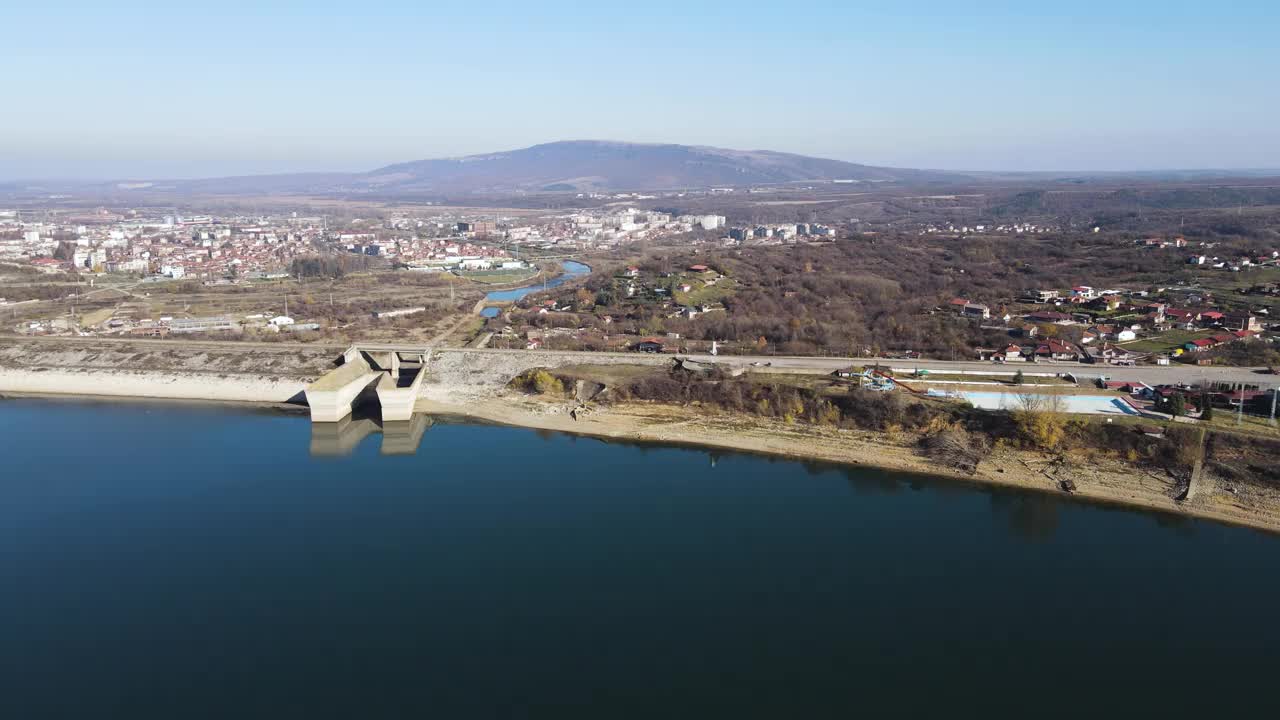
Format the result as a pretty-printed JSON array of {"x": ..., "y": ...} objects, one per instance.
[{"x": 571, "y": 268}]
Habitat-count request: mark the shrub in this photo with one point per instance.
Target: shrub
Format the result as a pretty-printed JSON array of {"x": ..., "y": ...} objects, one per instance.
[
  {"x": 1039, "y": 422},
  {"x": 539, "y": 382},
  {"x": 956, "y": 447}
]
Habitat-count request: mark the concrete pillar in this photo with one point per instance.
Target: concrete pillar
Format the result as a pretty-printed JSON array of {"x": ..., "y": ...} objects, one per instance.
[
  {"x": 331, "y": 396},
  {"x": 397, "y": 402}
]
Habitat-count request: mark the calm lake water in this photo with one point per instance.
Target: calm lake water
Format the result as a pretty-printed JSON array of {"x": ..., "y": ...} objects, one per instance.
[
  {"x": 169, "y": 561},
  {"x": 571, "y": 270}
]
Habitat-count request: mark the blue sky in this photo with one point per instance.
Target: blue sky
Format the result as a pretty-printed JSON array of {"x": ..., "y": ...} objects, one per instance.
[{"x": 152, "y": 90}]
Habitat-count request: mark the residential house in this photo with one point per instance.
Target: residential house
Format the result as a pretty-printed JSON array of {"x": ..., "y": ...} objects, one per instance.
[
  {"x": 1182, "y": 318},
  {"x": 1113, "y": 355},
  {"x": 1050, "y": 316},
  {"x": 1241, "y": 321},
  {"x": 1132, "y": 387},
  {"x": 1201, "y": 345},
  {"x": 1053, "y": 349},
  {"x": 649, "y": 345},
  {"x": 1012, "y": 353},
  {"x": 1209, "y": 318},
  {"x": 1155, "y": 308}
]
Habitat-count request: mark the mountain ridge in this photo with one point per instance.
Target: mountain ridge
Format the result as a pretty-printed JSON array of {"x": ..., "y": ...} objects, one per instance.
[
  {"x": 566, "y": 165},
  {"x": 615, "y": 165}
]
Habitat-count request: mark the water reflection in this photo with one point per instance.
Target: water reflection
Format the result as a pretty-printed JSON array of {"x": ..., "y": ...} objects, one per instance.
[
  {"x": 342, "y": 438},
  {"x": 1031, "y": 516},
  {"x": 869, "y": 481}
]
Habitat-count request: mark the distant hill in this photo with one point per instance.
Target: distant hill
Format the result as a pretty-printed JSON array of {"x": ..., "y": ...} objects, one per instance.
[
  {"x": 573, "y": 165},
  {"x": 600, "y": 165}
]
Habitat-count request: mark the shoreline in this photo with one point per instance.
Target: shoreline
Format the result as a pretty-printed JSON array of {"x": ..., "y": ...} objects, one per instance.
[
  {"x": 282, "y": 408},
  {"x": 1124, "y": 488},
  {"x": 1106, "y": 482},
  {"x": 251, "y": 387}
]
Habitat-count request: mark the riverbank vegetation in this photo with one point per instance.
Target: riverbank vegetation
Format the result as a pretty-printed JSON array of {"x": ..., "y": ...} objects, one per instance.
[{"x": 952, "y": 434}]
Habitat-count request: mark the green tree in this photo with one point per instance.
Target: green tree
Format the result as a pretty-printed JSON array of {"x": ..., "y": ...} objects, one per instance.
[
  {"x": 1017, "y": 378},
  {"x": 1206, "y": 406}
]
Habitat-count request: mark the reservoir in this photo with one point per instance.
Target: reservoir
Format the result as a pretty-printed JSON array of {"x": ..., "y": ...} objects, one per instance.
[
  {"x": 571, "y": 268},
  {"x": 162, "y": 561}
]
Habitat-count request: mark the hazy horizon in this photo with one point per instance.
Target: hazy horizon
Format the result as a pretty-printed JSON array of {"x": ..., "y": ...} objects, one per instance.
[
  {"x": 368, "y": 167},
  {"x": 131, "y": 92}
]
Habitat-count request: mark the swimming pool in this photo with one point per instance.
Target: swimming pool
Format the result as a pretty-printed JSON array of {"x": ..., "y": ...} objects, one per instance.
[{"x": 1083, "y": 404}]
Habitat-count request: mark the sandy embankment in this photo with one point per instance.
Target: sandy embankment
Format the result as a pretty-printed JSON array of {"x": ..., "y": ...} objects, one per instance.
[
  {"x": 1101, "y": 480},
  {"x": 89, "y": 367},
  {"x": 151, "y": 384}
]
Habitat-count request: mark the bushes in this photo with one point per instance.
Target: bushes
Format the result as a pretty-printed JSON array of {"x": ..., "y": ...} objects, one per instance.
[
  {"x": 539, "y": 382},
  {"x": 863, "y": 294},
  {"x": 956, "y": 447},
  {"x": 1040, "y": 422},
  {"x": 859, "y": 409}
]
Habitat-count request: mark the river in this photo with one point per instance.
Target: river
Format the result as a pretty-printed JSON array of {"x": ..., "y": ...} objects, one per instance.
[
  {"x": 571, "y": 268},
  {"x": 163, "y": 561}
]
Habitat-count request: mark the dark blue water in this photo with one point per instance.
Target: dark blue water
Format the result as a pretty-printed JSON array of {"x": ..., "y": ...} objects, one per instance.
[
  {"x": 571, "y": 270},
  {"x": 162, "y": 561}
]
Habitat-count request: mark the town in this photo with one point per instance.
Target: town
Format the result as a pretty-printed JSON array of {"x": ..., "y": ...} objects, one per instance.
[{"x": 136, "y": 255}]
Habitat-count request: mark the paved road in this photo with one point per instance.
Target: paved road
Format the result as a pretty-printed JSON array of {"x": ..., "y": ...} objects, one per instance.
[
  {"x": 1150, "y": 374},
  {"x": 210, "y": 344}
]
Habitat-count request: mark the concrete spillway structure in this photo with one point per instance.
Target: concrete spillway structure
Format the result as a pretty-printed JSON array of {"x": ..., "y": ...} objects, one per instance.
[
  {"x": 330, "y": 398},
  {"x": 398, "y": 388},
  {"x": 395, "y": 381},
  {"x": 397, "y": 401}
]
